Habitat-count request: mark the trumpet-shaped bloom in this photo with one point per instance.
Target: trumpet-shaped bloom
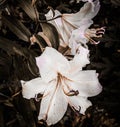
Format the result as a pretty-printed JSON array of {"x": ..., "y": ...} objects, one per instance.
[
  {"x": 62, "y": 82},
  {"x": 72, "y": 28}
]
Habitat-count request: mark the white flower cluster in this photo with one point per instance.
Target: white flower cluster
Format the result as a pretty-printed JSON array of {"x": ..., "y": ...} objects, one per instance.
[{"x": 63, "y": 82}]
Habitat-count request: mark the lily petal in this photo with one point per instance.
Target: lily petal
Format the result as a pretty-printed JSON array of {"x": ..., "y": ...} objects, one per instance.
[
  {"x": 50, "y": 14},
  {"x": 80, "y": 104},
  {"x": 87, "y": 12},
  {"x": 78, "y": 36},
  {"x": 53, "y": 104},
  {"x": 80, "y": 60},
  {"x": 86, "y": 82},
  {"x": 64, "y": 29},
  {"x": 50, "y": 63},
  {"x": 33, "y": 87}
]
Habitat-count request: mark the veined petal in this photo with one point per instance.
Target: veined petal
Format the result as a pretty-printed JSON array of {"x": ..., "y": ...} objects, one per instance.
[
  {"x": 80, "y": 60},
  {"x": 80, "y": 104},
  {"x": 78, "y": 36},
  {"x": 87, "y": 12},
  {"x": 64, "y": 34},
  {"x": 33, "y": 87},
  {"x": 86, "y": 82},
  {"x": 64, "y": 29},
  {"x": 50, "y": 63},
  {"x": 53, "y": 104},
  {"x": 50, "y": 14}
]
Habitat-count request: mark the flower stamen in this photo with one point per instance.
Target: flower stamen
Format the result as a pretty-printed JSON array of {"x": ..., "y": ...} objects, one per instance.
[
  {"x": 75, "y": 110},
  {"x": 71, "y": 92},
  {"x": 99, "y": 32}
]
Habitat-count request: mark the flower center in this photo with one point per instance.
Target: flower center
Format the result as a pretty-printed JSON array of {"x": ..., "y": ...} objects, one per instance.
[{"x": 66, "y": 88}]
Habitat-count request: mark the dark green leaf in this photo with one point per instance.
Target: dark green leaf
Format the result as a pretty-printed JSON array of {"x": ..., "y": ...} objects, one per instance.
[
  {"x": 30, "y": 10},
  {"x": 5, "y": 66},
  {"x": 32, "y": 66},
  {"x": 11, "y": 47},
  {"x": 17, "y": 27},
  {"x": 51, "y": 32},
  {"x": 7, "y": 45},
  {"x": 41, "y": 42},
  {"x": 8, "y": 103}
]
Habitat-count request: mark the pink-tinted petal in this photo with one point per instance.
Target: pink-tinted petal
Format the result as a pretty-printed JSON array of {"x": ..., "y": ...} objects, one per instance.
[
  {"x": 86, "y": 82},
  {"x": 50, "y": 63},
  {"x": 78, "y": 36},
  {"x": 33, "y": 87},
  {"x": 53, "y": 105}
]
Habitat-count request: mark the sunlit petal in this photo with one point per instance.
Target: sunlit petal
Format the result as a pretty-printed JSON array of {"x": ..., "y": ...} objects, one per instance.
[
  {"x": 50, "y": 63},
  {"x": 86, "y": 82},
  {"x": 33, "y": 87},
  {"x": 53, "y": 104},
  {"x": 87, "y": 12},
  {"x": 80, "y": 60}
]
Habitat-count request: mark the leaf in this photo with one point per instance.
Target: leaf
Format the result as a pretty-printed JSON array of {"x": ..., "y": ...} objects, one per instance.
[
  {"x": 3, "y": 3},
  {"x": 7, "y": 45},
  {"x": 116, "y": 2},
  {"x": 26, "y": 111},
  {"x": 41, "y": 42},
  {"x": 32, "y": 66},
  {"x": 17, "y": 27},
  {"x": 8, "y": 103},
  {"x": 30, "y": 10},
  {"x": 51, "y": 32},
  {"x": 12, "y": 48},
  {"x": 5, "y": 66}
]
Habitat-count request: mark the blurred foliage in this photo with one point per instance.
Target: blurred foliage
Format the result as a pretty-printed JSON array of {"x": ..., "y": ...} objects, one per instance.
[{"x": 19, "y": 21}]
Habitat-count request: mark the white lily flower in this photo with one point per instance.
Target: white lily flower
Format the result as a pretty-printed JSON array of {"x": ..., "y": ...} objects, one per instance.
[
  {"x": 72, "y": 28},
  {"x": 62, "y": 82}
]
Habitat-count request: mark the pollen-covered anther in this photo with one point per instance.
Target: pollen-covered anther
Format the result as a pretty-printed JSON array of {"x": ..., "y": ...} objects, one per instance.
[{"x": 72, "y": 93}]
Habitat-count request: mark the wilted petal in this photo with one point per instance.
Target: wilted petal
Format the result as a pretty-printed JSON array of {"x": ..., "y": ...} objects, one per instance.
[
  {"x": 78, "y": 103},
  {"x": 53, "y": 104},
  {"x": 80, "y": 60},
  {"x": 86, "y": 82},
  {"x": 33, "y": 87},
  {"x": 50, "y": 63}
]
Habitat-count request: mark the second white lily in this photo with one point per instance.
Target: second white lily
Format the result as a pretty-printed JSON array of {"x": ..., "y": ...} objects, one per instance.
[{"x": 73, "y": 28}]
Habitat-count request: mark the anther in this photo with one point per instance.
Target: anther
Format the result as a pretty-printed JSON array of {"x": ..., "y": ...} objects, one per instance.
[{"x": 73, "y": 93}]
